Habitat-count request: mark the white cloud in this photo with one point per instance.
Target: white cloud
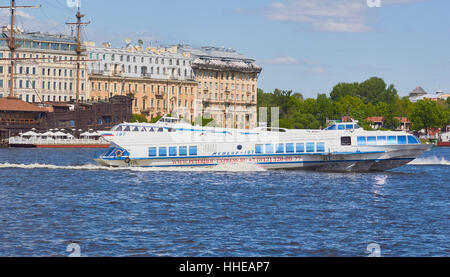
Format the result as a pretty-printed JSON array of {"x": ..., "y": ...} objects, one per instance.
[
  {"x": 351, "y": 16},
  {"x": 391, "y": 2},
  {"x": 281, "y": 60},
  {"x": 323, "y": 15}
]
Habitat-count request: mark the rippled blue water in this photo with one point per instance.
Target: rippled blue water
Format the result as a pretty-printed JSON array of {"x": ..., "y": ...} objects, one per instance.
[{"x": 50, "y": 198}]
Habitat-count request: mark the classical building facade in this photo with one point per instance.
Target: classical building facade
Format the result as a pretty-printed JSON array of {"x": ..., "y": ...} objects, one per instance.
[
  {"x": 227, "y": 85},
  {"x": 190, "y": 82},
  {"x": 160, "y": 80},
  {"x": 49, "y": 71}
]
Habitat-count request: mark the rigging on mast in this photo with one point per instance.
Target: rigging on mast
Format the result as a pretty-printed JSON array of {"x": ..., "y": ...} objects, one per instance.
[{"x": 11, "y": 44}]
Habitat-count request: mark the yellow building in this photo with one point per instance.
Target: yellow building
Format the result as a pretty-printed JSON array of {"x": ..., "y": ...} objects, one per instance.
[
  {"x": 50, "y": 75},
  {"x": 189, "y": 82},
  {"x": 160, "y": 80},
  {"x": 227, "y": 86},
  {"x": 152, "y": 97}
]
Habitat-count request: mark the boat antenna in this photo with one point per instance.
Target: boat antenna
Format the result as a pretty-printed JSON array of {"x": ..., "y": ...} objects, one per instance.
[{"x": 11, "y": 44}]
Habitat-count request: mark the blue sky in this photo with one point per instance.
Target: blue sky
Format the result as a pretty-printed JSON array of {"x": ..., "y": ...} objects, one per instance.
[{"x": 304, "y": 45}]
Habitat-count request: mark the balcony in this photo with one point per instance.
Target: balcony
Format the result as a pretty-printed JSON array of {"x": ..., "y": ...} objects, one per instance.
[
  {"x": 146, "y": 75},
  {"x": 97, "y": 72}
]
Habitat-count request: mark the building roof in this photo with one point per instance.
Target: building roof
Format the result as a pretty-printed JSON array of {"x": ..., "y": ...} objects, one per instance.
[
  {"x": 59, "y": 38},
  {"x": 418, "y": 91},
  {"x": 380, "y": 119},
  {"x": 375, "y": 119},
  {"x": 16, "y": 105},
  {"x": 213, "y": 52},
  {"x": 244, "y": 66}
]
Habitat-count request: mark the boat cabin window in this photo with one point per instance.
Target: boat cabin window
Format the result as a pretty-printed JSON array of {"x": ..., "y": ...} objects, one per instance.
[
  {"x": 345, "y": 126},
  {"x": 381, "y": 140},
  {"x": 192, "y": 150},
  {"x": 269, "y": 149},
  {"x": 163, "y": 151},
  {"x": 371, "y": 140},
  {"x": 258, "y": 149},
  {"x": 387, "y": 140},
  {"x": 127, "y": 129},
  {"x": 172, "y": 151},
  {"x": 413, "y": 140},
  {"x": 320, "y": 147},
  {"x": 345, "y": 141},
  {"x": 402, "y": 140},
  {"x": 183, "y": 151},
  {"x": 160, "y": 130},
  {"x": 310, "y": 147},
  {"x": 280, "y": 148},
  {"x": 152, "y": 152},
  {"x": 290, "y": 148},
  {"x": 300, "y": 148},
  {"x": 136, "y": 129}
]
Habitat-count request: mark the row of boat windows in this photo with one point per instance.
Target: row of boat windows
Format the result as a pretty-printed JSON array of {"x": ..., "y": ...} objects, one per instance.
[
  {"x": 172, "y": 151},
  {"x": 387, "y": 140},
  {"x": 289, "y": 148},
  {"x": 341, "y": 127}
]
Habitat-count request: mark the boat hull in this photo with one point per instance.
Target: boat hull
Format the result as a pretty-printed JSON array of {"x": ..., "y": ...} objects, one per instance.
[
  {"x": 443, "y": 144},
  {"x": 337, "y": 162},
  {"x": 58, "y": 146}
]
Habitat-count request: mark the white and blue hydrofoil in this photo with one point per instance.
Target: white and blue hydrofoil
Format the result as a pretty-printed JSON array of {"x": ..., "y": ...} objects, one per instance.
[{"x": 340, "y": 147}]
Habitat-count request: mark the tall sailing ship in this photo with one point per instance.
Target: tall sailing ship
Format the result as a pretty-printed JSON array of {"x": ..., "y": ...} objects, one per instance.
[{"x": 18, "y": 116}]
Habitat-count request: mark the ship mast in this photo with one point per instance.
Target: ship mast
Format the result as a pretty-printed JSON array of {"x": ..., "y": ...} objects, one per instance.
[
  {"x": 11, "y": 45},
  {"x": 79, "y": 50}
]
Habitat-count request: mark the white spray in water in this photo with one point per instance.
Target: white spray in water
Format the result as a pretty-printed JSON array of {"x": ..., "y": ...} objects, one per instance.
[
  {"x": 93, "y": 167},
  {"x": 430, "y": 161}
]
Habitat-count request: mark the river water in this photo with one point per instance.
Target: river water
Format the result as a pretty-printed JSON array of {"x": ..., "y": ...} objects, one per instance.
[{"x": 52, "y": 198}]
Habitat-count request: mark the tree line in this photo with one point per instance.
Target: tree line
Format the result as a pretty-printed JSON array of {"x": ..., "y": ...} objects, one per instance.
[{"x": 359, "y": 101}]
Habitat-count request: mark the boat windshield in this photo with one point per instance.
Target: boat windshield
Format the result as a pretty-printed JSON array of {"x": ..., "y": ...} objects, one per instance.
[
  {"x": 343, "y": 126},
  {"x": 169, "y": 120}
]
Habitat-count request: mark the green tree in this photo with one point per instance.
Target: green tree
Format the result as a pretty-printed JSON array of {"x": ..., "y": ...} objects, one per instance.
[
  {"x": 427, "y": 114},
  {"x": 344, "y": 89},
  {"x": 139, "y": 118},
  {"x": 375, "y": 90}
]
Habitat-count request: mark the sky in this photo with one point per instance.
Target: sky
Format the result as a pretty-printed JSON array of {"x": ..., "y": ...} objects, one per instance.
[{"x": 307, "y": 46}]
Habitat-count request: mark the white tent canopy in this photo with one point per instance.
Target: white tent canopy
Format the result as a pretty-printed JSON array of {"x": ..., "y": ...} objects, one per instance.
[
  {"x": 48, "y": 134},
  {"x": 60, "y": 134},
  {"x": 29, "y": 134}
]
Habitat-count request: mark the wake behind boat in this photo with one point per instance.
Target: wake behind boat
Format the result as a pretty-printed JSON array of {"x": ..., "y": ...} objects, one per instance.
[{"x": 340, "y": 147}]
